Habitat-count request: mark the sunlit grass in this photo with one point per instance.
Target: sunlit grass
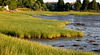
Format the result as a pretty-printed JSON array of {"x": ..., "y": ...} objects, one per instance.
[
  {"x": 14, "y": 46},
  {"x": 26, "y": 26},
  {"x": 48, "y": 13}
]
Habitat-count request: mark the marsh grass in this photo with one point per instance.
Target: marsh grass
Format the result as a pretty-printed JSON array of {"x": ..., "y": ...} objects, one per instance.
[
  {"x": 15, "y": 46},
  {"x": 48, "y": 13},
  {"x": 26, "y": 26}
]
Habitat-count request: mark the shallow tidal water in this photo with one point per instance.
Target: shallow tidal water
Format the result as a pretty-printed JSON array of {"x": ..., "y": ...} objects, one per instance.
[{"x": 88, "y": 24}]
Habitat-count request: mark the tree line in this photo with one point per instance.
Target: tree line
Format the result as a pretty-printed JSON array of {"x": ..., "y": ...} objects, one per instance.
[
  {"x": 13, "y": 4},
  {"x": 39, "y": 5},
  {"x": 85, "y": 6}
]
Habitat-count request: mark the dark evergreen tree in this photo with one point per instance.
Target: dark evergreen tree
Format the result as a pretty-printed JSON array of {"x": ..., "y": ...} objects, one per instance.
[
  {"x": 90, "y": 6},
  {"x": 94, "y": 5},
  {"x": 85, "y": 5},
  {"x": 60, "y": 5},
  {"x": 67, "y": 6},
  {"x": 41, "y": 1},
  {"x": 77, "y": 6}
]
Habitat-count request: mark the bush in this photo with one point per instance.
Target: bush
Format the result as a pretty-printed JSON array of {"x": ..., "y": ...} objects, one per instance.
[
  {"x": 44, "y": 7},
  {"x": 36, "y": 7},
  {"x": 2, "y": 9},
  {"x": 25, "y": 9}
]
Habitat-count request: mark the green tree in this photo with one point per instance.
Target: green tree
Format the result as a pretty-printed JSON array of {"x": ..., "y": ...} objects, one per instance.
[
  {"x": 90, "y": 6},
  {"x": 19, "y": 3},
  {"x": 94, "y": 5},
  {"x": 78, "y": 1},
  {"x": 12, "y": 4},
  {"x": 36, "y": 7},
  {"x": 77, "y": 6},
  {"x": 50, "y": 6},
  {"x": 44, "y": 7},
  {"x": 41, "y": 1},
  {"x": 67, "y": 6},
  {"x": 85, "y": 5},
  {"x": 39, "y": 4},
  {"x": 3, "y": 2},
  {"x": 60, "y": 5}
]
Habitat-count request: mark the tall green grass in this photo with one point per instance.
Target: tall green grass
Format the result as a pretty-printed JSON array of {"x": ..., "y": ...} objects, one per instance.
[
  {"x": 14, "y": 46},
  {"x": 26, "y": 26}
]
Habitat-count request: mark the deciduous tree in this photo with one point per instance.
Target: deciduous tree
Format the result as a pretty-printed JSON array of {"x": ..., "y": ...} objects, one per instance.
[{"x": 77, "y": 6}]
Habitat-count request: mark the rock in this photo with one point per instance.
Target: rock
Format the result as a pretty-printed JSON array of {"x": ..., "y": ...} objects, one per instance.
[
  {"x": 76, "y": 45},
  {"x": 81, "y": 48},
  {"x": 79, "y": 24},
  {"x": 97, "y": 36},
  {"x": 96, "y": 50},
  {"x": 78, "y": 29},
  {"x": 96, "y": 44},
  {"x": 71, "y": 28},
  {"x": 85, "y": 46},
  {"x": 91, "y": 41},
  {"x": 78, "y": 40},
  {"x": 62, "y": 46},
  {"x": 88, "y": 34}
]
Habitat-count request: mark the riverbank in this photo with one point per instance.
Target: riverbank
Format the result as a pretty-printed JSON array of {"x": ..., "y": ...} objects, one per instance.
[
  {"x": 11, "y": 46},
  {"x": 48, "y": 13}
]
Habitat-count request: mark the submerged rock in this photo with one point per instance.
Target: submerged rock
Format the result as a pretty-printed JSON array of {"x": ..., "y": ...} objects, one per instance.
[
  {"x": 62, "y": 46},
  {"x": 78, "y": 40},
  {"x": 96, "y": 44},
  {"x": 76, "y": 45},
  {"x": 96, "y": 50},
  {"x": 97, "y": 36},
  {"x": 85, "y": 46},
  {"x": 91, "y": 41},
  {"x": 81, "y": 48},
  {"x": 79, "y": 24}
]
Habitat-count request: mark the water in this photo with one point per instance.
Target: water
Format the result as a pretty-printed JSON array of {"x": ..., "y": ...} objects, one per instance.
[{"x": 88, "y": 24}]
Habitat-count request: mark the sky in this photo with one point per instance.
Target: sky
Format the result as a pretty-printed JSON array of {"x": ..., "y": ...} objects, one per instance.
[{"x": 65, "y": 1}]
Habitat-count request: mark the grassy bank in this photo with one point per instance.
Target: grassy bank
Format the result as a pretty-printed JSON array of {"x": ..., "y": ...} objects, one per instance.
[
  {"x": 24, "y": 25},
  {"x": 14, "y": 46},
  {"x": 47, "y": 13}
]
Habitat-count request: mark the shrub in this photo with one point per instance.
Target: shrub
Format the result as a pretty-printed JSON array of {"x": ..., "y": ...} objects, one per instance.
[{"x": 2, "y": 9}]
